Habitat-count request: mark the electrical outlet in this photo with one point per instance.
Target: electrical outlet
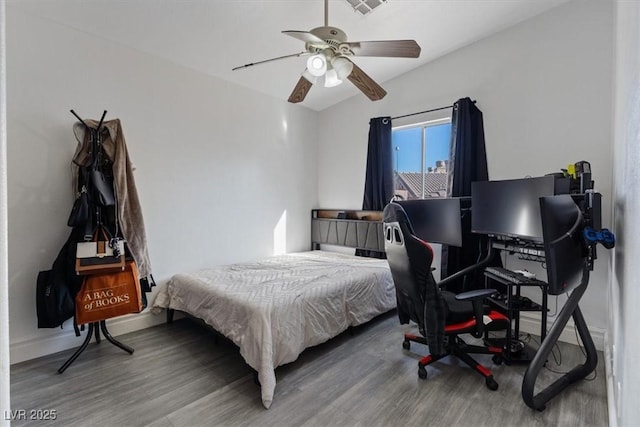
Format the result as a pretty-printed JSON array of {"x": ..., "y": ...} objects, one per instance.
[
  {"x": 611, "y": 355},
  {"x": 619, "y": 398}
]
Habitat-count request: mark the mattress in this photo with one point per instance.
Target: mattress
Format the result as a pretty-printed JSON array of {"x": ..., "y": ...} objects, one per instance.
[{"x": 276, "y": 307}]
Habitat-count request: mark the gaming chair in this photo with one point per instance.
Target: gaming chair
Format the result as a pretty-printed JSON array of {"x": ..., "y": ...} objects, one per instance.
[{"x": 441, "y": 315}]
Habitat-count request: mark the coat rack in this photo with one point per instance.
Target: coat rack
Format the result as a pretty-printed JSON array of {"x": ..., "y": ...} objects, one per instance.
[
  {"x": 87, "y": 126},
  {"x": 94, "y": 328}
]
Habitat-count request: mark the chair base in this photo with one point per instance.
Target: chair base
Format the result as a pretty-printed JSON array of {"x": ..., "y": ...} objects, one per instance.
[{"x": 458, "y": 348}]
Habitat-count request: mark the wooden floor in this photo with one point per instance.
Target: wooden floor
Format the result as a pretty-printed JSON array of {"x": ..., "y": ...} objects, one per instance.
[{"x": 179, "y": 376}]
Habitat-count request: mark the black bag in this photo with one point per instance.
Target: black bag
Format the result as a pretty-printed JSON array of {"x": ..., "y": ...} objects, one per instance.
[
  {"x": 54, "y": 303},
  {"x": 100, "y": 174},
  {"x": 80, "y": 211},
  {"x": 103, "y": 187},
  {"x": 56, "y": 288}
]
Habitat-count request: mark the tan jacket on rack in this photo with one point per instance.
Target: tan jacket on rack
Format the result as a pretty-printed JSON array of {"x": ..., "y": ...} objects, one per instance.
[{"x": 128, "y": 208}]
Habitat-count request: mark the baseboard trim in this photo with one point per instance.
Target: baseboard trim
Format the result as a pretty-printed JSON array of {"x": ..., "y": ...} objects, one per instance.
[
  {"x": 64, "y": 339},
  {"x": 530, "y": 323}
]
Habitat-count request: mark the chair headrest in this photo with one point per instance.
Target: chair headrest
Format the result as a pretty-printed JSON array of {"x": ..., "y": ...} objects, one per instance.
[{"x": 393, "y": 212}]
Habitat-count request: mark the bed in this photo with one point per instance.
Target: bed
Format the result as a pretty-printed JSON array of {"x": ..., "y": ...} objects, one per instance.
[{"x": 276, "y": 307}]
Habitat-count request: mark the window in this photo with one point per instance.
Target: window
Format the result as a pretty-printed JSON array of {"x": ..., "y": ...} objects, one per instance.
[{"x": 421, "y": 159}]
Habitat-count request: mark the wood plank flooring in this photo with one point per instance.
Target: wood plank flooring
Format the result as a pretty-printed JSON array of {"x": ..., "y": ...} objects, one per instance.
[{"x": 180, "y": 376}]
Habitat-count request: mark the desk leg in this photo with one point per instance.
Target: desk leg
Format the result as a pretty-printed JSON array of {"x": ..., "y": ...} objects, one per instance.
[
  {"x": 509, "y": 335},
  {"x": 516, "y": 316},
  {"x": 570, "y": 309},
  {"x": 543, "y": 327}
]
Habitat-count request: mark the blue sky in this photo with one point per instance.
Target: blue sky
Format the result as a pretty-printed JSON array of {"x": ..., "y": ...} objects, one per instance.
[{"x": 406, "y": 147}]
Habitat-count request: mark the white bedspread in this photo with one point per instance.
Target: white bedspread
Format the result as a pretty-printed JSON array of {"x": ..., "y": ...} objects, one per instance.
[{"x": 275, "y": 308}]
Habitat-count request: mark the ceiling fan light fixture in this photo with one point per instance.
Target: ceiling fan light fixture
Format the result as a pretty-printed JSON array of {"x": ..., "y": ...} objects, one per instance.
[
  {"x": 317, "y": 65},
  {"x": 331, "y": 78},
  {"x": 342, "y": 66}
]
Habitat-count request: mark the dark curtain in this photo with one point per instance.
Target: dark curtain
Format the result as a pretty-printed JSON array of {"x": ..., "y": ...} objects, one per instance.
[
  {"x": 468, "y": 163},
  {"x": 378, "y": 186}
]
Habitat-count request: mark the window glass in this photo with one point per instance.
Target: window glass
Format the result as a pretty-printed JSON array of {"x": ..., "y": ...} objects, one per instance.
[{"x": 421, "y": 159}]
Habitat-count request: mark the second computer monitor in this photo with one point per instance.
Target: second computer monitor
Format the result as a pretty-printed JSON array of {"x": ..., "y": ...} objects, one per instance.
[
  {"x": 436, "y": 220},
  {"x": 564, "y": 246},
  {"x": 510, "y": 208}
]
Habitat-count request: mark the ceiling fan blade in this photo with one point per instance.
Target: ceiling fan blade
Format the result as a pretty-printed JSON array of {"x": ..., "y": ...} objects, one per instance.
[
  {"x": 366, "y": 84},
  {"x": 300, "y": 91},
  {"x": 251, "y": 64},
  {"x": 388, "y": 48},
  {"x": 306, "y": 37}
]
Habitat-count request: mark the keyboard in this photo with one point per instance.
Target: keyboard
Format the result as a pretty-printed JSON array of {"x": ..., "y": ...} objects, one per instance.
[{"x": 508, "y": 275}]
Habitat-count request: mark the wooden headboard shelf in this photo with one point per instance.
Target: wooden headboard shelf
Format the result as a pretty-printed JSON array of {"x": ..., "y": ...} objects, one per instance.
[
  {"x": 347, "y": 214},
  {"x": 349, "y": 228}
]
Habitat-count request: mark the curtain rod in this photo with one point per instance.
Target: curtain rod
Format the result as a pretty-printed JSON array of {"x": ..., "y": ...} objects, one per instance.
[
  {"x": 422, "y": 112},
  {"x": 426, "y": 111}
]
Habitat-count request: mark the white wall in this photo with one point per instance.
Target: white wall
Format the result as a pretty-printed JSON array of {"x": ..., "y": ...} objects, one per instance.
[
  {"x": 217, "y": 166},
  {"x": 5, "y": 360},
  {"x": 623, "y": 343},
  {"x": 544, "y": 87}
]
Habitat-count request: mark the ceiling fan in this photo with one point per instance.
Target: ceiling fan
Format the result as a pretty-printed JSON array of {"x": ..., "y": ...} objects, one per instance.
[{"x": 329, "y": 55}]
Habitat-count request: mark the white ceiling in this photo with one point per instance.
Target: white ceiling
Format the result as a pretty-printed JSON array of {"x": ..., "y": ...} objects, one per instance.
[{"x": 213, "y": 36}]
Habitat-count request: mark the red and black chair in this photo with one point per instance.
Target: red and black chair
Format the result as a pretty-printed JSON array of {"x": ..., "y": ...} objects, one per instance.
[{"x": 441, "y": 316}]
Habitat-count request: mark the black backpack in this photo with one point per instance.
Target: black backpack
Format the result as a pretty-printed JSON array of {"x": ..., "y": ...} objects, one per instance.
[{"x": 56, "y": 288}]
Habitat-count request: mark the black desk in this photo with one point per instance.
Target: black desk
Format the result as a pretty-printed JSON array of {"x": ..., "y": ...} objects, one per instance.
[{"x": 515, "y": 350}]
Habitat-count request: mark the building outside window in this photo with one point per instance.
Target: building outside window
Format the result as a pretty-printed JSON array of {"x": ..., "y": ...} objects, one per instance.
[{"x": 421, "y": 159}]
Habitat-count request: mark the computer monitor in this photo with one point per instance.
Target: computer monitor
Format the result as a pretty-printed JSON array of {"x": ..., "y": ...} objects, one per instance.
[
  {"x": 564, "y": 247},
  {"x": 510, "y": 208},
  {"x": 436, "y": 220}
]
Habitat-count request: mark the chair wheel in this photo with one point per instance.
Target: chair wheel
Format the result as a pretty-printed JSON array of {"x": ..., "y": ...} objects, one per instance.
[
  {"x": 406, "y": 344},
  {"x": 491, "y": 384},
  {"x": 422, "y": 372},
  {"x": 497, "y": 359}
]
